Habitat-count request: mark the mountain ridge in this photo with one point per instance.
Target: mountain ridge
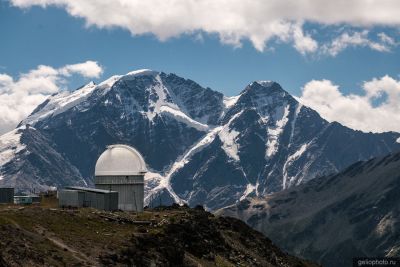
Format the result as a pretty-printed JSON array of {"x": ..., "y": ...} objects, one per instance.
[
  {"x": 335, "y": 218},
  {"x": 200, "y": 146}
]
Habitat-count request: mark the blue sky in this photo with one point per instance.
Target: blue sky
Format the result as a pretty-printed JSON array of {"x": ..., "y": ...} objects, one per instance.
[
  {"x": 51, "y": 37},
  {"x": 59, "y": 35}
]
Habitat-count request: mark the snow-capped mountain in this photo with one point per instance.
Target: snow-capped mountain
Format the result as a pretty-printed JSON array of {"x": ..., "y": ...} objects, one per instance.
[
  {"x": 200, "y": 146},
  {"x": 333, "y": 219}
]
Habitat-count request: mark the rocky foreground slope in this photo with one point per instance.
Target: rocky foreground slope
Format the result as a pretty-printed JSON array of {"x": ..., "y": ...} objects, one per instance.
[
  {"x": 332, "y": 219},
  {"x": 174, "y": 236}
]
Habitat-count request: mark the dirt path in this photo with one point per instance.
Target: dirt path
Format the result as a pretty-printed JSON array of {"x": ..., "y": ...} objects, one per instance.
[
  {"x": 41, "y": 233},
  {"x": 59, "y": 243}
]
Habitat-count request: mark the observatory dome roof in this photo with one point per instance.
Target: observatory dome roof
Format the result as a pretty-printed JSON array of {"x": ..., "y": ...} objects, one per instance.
[{"x": 120, "y": 160}]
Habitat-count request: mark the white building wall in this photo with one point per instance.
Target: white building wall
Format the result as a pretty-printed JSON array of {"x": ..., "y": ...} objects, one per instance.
[{"x": 130, "y": 190}]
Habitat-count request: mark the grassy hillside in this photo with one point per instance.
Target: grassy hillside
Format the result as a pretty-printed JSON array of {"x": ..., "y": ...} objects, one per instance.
[{"x": 174, "y": 236}]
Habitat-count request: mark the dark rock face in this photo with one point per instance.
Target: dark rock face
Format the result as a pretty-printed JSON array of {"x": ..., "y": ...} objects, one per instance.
[
  {"x": 118, "y": 117},
  {"x": 39, "y": 164},
  {"x": 269, "y": 142},
  {"x": 160, "y": 199},
  {"x": 332, "y": 219},
  {"x": 201, "y": 104},
  {"x": 207, "y": 149}
]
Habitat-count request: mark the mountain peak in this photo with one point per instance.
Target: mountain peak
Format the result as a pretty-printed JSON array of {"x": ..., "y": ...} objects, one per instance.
[
  {"x": 265, "y": 84},
  {"x": 142, "y": 72},
  {"x": 90, "y": 84},
  {"x": 265, "y": 89}
]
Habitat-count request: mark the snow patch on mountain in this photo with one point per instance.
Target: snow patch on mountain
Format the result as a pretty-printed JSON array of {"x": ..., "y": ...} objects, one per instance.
[
  {"x": 141, "y": 72},
  {"x": 163, "y": 104},
  {"x": 164, "y": 182},
  {"x": 205, "y": 141},
  {"x": 292, "y": 158},
  {"x": 110, "y": 81},
  {"x": 60, "y": 103},
  {"x": 160, "y": 91},
  {"x": 398, "y": 140},
  {"x": 265, "y": 99},
  {"x": 385, "y": 225},
  {"x": 250, "y": 188},
  {"x": 294, "y": 120},
  {"x": 265, "y": 83},
  {"x": 10, "y": 145},
  {"x": 230, "y": 101},
  {"x": 63, "y": 101},
  {"x": 182, "y": 117},
  {"x": 274, "y": 133},
  {"x": 152, "y": 180},
  {"x": 228, "y": 138}
]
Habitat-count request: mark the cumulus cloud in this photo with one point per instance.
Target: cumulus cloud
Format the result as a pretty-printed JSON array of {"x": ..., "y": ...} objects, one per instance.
[
  {"x": 233, "y": 21},
  {"x": 20, "y": 96},
  {"x": 303, "y": 43},
  {"x": 87, "y": 69},
  {"x": 376, "y": 110}
]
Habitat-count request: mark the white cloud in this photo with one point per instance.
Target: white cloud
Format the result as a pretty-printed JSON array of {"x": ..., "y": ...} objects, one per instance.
[
  {"x": 303, "y": 43},
  {"x": 87, "y": 69},
  {"x": 386, "y": 39},
  {"x": 233, "y": 21},
  {"x": 19, "y": 97},
  {"x": 357, "y": 111},
  {"x": 355, "y": 39}
]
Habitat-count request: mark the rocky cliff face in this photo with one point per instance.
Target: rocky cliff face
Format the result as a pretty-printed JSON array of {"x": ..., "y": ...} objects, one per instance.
[
  {"x": 332, "y": 219},
  {"x": 200, "y": 146}
]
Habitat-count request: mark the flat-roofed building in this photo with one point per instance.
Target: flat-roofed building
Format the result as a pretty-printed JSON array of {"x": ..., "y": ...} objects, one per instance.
[
  {"x": 23, "y": 200},
  {"x": 78, "y": 197},
  {"x": 6, "y": 195}
]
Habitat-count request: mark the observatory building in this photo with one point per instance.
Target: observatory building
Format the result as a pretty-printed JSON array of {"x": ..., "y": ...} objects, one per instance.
[{"x": 121, "y": 168}]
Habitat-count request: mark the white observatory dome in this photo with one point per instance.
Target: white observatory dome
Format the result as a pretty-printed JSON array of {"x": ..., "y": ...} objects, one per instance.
[{"x": 120, "y": 160}]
